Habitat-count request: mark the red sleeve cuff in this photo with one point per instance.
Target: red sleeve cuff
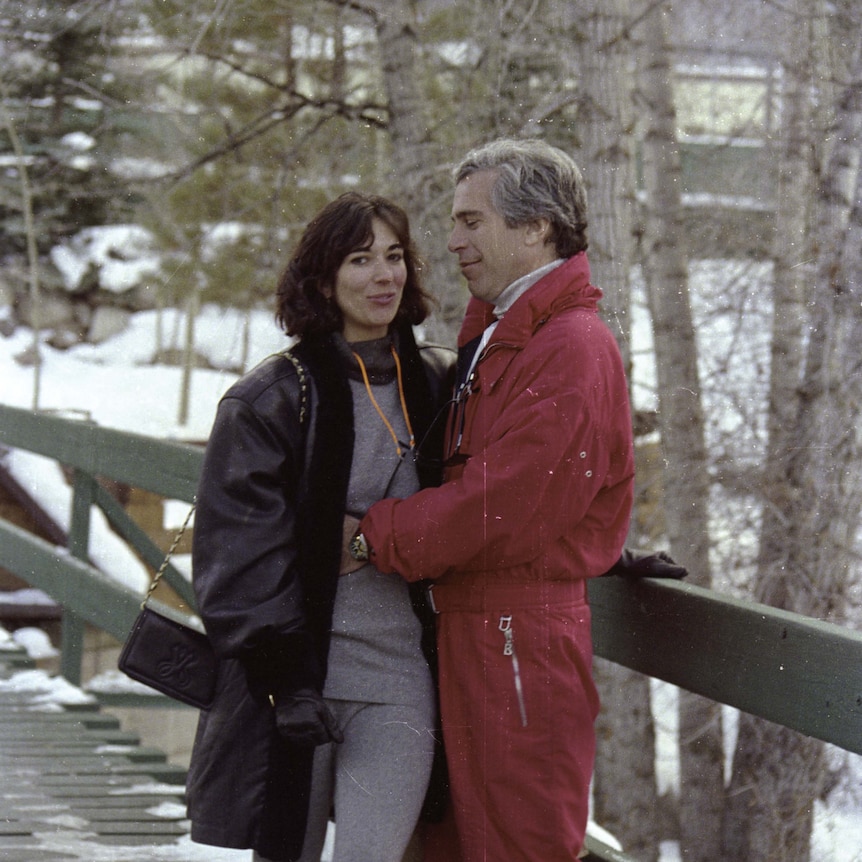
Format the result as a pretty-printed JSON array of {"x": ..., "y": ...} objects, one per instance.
[{"x": 373, "y": 527}]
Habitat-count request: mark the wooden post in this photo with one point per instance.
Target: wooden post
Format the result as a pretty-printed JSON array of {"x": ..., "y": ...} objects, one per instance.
[{"x": 72, "y": 633}]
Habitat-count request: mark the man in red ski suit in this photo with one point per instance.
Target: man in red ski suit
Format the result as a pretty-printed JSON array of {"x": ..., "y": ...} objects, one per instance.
[{"x": 537, "y": 499}]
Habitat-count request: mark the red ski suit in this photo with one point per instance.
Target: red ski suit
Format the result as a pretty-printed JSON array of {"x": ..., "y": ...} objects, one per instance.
[{"x": 537, "y": 499}]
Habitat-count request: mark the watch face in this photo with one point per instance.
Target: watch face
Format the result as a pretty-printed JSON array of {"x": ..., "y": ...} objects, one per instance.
[{"x": 358, "y": 548}]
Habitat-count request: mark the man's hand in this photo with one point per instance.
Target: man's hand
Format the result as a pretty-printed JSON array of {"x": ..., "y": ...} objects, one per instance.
[
  {"x": 646, "y": 564},
  {"x": 348, "y": 564},
  {"x": 303, "y": 718}
]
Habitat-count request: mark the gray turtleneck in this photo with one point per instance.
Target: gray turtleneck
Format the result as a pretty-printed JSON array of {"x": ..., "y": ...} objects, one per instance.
[{"x": 375, "y": 653}]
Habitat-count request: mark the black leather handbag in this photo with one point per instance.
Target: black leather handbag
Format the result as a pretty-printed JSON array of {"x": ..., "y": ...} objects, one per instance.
[{"x": 167, "y": 654}]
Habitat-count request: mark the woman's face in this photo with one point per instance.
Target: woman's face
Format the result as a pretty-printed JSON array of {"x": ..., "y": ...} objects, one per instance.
[{"x": 369, "y": 285}]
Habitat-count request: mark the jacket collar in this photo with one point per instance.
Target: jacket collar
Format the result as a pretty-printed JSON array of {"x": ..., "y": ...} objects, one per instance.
[
  {"x": 520, "y": 286},
  {"x": 566, "y": 287}
]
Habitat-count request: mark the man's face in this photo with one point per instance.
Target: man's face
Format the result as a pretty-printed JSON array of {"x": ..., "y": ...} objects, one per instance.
[{"x": 491, "y": 255}]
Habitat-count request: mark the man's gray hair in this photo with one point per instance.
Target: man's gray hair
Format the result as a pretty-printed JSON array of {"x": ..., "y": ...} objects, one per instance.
[{"x": 535, "y": 180}]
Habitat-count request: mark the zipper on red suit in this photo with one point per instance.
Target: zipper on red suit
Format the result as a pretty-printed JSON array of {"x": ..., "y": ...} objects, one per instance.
[
  {"x": 458, "y": 416},
  {"x": 505, "y": 626}
]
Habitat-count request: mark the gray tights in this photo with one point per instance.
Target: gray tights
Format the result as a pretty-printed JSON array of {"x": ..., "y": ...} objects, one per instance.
[{"x": 376, "y": 779}]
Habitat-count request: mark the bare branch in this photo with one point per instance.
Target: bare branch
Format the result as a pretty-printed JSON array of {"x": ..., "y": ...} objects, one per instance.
[{"x": 266, "y": 122}]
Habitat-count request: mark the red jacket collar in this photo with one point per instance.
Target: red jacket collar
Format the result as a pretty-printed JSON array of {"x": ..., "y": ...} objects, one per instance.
[{"x": 567, "y": 286}]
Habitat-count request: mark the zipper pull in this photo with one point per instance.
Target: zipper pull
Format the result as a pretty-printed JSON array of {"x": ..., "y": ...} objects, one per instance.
[{"x": 508, "y": 634}]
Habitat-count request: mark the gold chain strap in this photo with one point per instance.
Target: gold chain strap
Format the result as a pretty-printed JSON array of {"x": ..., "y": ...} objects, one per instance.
[
  {"x": 303, "y": 385},
  {"x": 168, "y": 556}
]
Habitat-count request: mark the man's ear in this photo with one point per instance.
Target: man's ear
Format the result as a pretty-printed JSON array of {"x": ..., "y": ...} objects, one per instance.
[{"x": 537, "y": 231}]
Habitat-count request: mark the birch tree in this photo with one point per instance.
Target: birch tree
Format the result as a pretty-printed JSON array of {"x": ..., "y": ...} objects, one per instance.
[
  {"x": 32, "y": 251},
  {"x": 813, "y": 492},
  {"x": 681, "y": 422},
  {"x": 624, "y": 785},
  {"x": 793, "y": 283}
]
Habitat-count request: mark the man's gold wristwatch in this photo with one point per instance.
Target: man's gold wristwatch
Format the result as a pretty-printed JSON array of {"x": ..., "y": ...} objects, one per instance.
[{"x": 359, "y": 548}]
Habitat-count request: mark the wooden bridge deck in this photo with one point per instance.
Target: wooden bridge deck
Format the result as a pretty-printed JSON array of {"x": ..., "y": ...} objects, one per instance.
[
  {"x": 75, "y": 786},
  {"x": 72, "y": 779}
]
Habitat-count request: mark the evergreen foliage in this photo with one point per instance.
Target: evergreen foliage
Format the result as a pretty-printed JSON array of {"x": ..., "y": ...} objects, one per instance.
[{"x": 60, "y": 94}]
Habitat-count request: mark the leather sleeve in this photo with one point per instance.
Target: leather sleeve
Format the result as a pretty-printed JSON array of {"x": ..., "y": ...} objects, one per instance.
[{"x": 244, "y": 549}]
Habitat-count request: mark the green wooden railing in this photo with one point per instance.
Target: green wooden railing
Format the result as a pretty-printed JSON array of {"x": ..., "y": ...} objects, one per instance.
[
  {"x": 66, "y": 574},
  {"x": 799, "y": 672}
]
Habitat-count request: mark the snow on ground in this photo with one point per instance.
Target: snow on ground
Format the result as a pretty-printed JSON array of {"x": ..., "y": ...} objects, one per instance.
[
  {"x": 116, "y": 383},
  {"x": 121, "y": 252},
  {"x": 45, "y": 691}
]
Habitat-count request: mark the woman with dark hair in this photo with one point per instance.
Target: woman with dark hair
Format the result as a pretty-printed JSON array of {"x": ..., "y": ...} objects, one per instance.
[
  {"x": 326, "y": 698},
  {"x": 304, "y": 294}
]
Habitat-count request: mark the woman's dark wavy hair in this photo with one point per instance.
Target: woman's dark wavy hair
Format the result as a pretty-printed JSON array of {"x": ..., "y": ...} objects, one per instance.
[{"x": 341, "y": 227}]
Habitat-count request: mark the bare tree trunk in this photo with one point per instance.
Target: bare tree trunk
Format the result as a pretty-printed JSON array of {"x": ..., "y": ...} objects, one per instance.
[
  {"x": 192, "y": 311},
  {"x": 607, "y": 154},
  {"x": 418, "y": 169},
  {"x": 680, "y": 420},
  {"x": 32, "y": 250},
  {"x": 813, "y": 492},
  {"x": 624, "y": 787},
  {"x": 625, "y": 784},
  {"x": 409, "y": 128}
]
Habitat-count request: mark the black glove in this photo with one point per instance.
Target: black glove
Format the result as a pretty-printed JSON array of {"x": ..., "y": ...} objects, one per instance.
[
  {"x": 303, "y": 718},
  {"x": 646, "y": 564},
  {"x": 285, "y": 672}
]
